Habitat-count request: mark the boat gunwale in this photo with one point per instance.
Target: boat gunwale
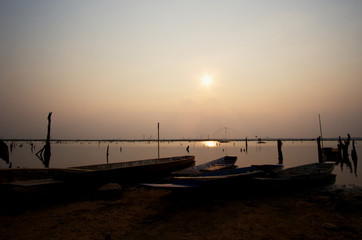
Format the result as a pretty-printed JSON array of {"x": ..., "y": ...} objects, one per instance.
[{"x": 131, "y": 164}]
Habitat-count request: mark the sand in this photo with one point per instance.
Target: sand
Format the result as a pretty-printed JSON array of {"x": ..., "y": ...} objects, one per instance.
[{"x": 143, "y": 213}]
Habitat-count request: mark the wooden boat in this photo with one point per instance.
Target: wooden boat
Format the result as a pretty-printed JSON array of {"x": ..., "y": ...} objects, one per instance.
[
  {"x": 215, "y": 165},
  {"x": 301, "y": 174},
  {"x": 243, "y": 172},
  {"x": 330, "y": 154},
  {"x": 226, "y": 177},
  {"x": 133, "y": 171}
]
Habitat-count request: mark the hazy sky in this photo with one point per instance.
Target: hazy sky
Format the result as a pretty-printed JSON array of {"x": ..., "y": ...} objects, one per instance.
[{"x": 113, "y": 69}]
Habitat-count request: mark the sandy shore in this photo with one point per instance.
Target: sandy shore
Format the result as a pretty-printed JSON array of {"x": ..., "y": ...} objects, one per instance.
[{"x": 142, "y": 213}]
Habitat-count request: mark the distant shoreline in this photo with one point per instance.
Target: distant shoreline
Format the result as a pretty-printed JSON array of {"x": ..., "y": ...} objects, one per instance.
[{"x": 178, "y": 140}]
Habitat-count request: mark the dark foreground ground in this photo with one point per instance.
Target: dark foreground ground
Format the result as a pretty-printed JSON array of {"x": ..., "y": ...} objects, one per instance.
[{"x": 142, "y": 213}]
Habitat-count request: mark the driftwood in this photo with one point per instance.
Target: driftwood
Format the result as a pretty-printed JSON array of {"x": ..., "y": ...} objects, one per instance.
[
  {"x": 345, "y": 155},
  {"x": 45, "y": 153}
]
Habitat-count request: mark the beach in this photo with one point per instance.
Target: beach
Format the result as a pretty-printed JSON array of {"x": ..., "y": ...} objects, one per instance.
[{"x": 137, "y": 212}]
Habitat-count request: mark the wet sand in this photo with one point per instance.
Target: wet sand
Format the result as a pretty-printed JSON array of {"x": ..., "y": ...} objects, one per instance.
[{"x": 142, "y": 213}]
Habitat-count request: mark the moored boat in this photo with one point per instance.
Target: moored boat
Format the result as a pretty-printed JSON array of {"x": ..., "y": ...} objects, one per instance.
[
  {"x": 227, "y": 177},
  {"x": 222, "y": 163},
  {"x": 132, "y": 171},
  {"x": 308, "y": 173},
  {"x": 233, "y": 174}
]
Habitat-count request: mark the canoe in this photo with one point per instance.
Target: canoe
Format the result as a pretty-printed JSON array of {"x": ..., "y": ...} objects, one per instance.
[
  {"x": 222, "y": 163},
  {"x": 308, "y": 173},
  {"x": 228, "y": 177},
  {"x": 243, "y": 172},
  {"x": 133, "y": 171}
]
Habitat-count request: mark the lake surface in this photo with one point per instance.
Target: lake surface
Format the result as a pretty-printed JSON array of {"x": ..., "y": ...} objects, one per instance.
[{"x": 70, "y": 153}]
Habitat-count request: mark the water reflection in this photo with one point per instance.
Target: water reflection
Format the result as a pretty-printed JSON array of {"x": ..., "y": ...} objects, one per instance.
[
  {"x": 210, "y": 143},
  {"x": 77, "y": 153},
  {"x": 341, "y": 155}
]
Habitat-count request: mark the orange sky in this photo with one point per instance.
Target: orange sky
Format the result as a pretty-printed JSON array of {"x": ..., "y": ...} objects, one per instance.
[{"x": 113, "y": 69}]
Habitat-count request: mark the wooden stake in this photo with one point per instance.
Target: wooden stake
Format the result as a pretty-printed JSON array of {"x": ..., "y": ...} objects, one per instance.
[
  {"x": 280, "y": 153},
  {"x": 320, "y": 129},
  {"x": 45, "y": 153},
  {"x": 158, "y": 139}
]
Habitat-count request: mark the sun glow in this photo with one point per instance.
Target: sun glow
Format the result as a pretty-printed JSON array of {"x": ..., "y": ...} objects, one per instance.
[
  {"x": 206, "y": 80},
  {"x": 210, "y": 143}
]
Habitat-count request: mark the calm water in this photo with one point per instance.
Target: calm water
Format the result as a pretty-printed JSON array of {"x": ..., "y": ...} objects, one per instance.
[{"x": 67, "y": 154}]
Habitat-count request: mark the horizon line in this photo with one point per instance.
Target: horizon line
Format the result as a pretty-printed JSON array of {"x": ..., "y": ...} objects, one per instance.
[{"x": 179, "y": 139}]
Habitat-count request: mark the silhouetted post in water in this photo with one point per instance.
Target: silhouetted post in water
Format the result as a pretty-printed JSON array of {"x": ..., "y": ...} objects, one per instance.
[
  {"x": 320, "y": 128},
  {"x": 345, "y": 155},
  {"x": 320, "y": 156},
  {"x": 4, "y": 151},
  {"x": 345, "y": 145},
  {"x": 44, "y": 153},
  {"x": 246, "y": 144},
  {"x": 280, "y": 153},
  {"x": 107, "y": 154},
  {"x": 158, "y": 140},
  {"x": 354, "y": 158}
]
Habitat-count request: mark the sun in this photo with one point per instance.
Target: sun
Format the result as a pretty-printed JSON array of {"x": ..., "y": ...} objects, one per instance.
[{"x": 206, "y": 80}]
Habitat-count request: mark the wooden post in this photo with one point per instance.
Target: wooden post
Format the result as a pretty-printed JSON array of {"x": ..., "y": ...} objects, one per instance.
[
  {"x": 4, "y": 151},
  {"x": 354, "y": 158},
  {"x": 158, "y": 140},
  {"x": 320, "y": 156},
  {"x": 246, "y": 144},
  {"x": 45, "y": 153},
  {"x": 107, "y": 154},
  {"x": 320, "y": 129},
  {"x": 280, "y": 153}
]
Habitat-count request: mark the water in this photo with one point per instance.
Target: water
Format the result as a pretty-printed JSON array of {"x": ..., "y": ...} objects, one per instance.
[{"x": 69, "y": 154}]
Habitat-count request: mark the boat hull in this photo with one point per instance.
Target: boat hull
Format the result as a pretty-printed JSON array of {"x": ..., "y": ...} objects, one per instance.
[
  {"x": 304, "y": 175},
  {"x": 128, "y": 172},
  {"x": 226, "y": 162},
  {"x": 229, "y": 177}
]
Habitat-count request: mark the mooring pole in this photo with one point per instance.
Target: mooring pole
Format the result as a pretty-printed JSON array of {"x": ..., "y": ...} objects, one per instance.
[
  {"x": 107, "y": 154},
  {"x": 320, "y": 129},
  {"x": 320, "y": 153},
  {"x": 280, "y": 153},
  {"x": 158, "y": 139}
]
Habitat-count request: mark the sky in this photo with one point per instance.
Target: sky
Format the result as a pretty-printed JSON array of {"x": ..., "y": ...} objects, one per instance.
[{"x": 114, "y": 69}]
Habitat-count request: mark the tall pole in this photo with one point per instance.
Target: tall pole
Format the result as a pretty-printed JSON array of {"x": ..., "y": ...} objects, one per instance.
[
  {"x": 158, "y": 139},
  {"x": 320, "y": 129}
]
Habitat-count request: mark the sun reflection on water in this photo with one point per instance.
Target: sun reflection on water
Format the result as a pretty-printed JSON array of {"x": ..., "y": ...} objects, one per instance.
[{"x": 210, "y": 143}]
